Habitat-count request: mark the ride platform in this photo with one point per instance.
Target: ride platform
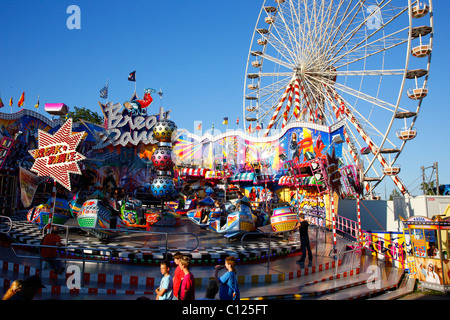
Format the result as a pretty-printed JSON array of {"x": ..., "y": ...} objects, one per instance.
[{"x": 261, "y": 276}]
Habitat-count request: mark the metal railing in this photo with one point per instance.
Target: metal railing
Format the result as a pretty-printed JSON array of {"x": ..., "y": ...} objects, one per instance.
[
  {"x": 107, "y": 249},
  {"x": 65, "y": 258},
  {"x": 10, "y": 224},
  {"x": 384, "y": 247},
  {"x": 353, "y": 250},
  {"x": 166, "y": 236},
  {"x": 347, "y": 226},
  {"x": 270, "y": 234}
]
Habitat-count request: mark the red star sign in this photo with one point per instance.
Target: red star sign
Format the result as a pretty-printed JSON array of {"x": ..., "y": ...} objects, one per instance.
[{"x": 57, "y": 156}]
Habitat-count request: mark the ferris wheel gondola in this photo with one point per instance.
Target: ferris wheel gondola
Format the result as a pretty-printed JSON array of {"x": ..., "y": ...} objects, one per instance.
[{"x": 360, "y": 62}]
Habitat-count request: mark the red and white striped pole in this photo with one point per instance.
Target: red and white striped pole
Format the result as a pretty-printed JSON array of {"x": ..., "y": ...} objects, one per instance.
[
  {"x": 277, "y": 110},
  {"x": 333, "y": 218},
  {"x": 52, "y": 208},
  {"x": 358, "y": 209}
]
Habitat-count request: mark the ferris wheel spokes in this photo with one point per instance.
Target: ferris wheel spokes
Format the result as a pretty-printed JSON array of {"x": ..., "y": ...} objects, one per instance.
[
  {"x": 381, "y": 26},
  {"x": 378, "y": 43},
  {"x": 305, "y": 50}
]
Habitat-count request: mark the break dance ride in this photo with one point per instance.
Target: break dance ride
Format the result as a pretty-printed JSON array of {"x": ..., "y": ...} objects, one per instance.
[{"x": 324, "y": 61}]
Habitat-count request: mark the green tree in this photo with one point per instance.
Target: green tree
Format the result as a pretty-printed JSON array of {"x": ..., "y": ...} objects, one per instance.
[
  {"x": 85, "y": 114},
  {"x": 394, "y": 193},
  {"x": 428, "y": 188}
]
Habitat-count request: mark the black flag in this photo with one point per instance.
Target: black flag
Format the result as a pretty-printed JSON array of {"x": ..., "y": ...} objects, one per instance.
[{"x": 132, "y": 76}]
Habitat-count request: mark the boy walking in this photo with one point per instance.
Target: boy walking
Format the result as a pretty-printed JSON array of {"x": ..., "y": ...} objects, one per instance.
[{"x": 229, "y": 288}]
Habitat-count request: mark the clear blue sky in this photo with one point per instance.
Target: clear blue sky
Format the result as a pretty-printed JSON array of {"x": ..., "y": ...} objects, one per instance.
[{"x": 195, "y": 51}]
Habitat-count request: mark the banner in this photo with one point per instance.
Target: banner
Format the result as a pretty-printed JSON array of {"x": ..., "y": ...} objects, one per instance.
[{"x": 28, "y": 185}]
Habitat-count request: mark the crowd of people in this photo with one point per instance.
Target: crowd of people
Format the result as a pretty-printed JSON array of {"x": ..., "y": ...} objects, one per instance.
[{"x": 181, "y": 285}]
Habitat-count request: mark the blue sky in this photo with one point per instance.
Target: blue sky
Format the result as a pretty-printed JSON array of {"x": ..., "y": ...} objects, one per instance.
[{"x": 195, "y": 51}]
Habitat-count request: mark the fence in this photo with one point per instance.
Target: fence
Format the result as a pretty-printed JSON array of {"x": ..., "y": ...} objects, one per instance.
[{"x": 349, "y": 229}]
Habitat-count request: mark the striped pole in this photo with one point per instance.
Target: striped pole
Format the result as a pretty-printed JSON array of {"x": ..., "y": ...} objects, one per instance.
[
  {"x": 52, "y": 208},
  {"x": 333, "y": 217},
  {"x": 288, "y": 108},
  {"x": 296, "y": 99},
  {"x": 370, "y": 143},
  {"x": 308, "y": 103},
  {"x": 346, "y": 135},
  {"x": 277, "y": 110},
  {"x": 358, "y": 209}
]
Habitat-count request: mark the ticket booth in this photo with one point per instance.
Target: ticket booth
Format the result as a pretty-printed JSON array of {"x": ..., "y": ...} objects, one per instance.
[{"x": 428, "y": 255}]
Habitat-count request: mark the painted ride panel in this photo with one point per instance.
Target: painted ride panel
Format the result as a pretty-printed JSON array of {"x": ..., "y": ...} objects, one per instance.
[
  {"x": 283, "y": 219},
  {"x": 196, "y": 214},
  {"x": 95, "y": 214},
  {"x": 98, "y": 213},
  {"x": 39, "y": 214},
  {"x": 190, "y": 204}
]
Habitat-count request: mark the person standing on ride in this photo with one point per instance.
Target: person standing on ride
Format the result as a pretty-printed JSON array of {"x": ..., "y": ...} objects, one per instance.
[
  {"x": 187, "y": 288},
  {"x": 178, "y": 275},
  {"x": 303, "y": 225},
  {"x": 229, "y": 288}
]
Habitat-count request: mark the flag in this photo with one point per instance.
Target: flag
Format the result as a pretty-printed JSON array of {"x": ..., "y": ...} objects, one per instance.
[
  {"x": 37, "y": 104},
  {"x": 1, "y": 103},
  {"x": 249, "y": 128},
  {"x": 132, "y": 76},
  {"x": 237, "y": 120},
  {"x": 225, "y": 121},
  {"x": 29, "y": 183},
  {"x": 105, "y": 118},
  {"x": 104, "y": 92},
  {"x": 199, "y": 126},
  {"x": 21, "y": 100},
  {"x": 11, "y": 101}
]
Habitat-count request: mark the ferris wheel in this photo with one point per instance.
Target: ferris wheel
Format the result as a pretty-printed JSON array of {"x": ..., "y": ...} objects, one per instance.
[{"x": 363, "y": 62}]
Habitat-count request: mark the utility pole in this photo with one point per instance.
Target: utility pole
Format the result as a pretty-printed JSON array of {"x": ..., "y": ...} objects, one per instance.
[
  {"x": 437, "y": 178},
  {"x": 427, "y": 184}
]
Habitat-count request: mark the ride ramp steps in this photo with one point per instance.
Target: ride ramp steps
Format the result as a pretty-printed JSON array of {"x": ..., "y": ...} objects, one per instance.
[
  {"x": 406, "y": 287},
  {"x": 372, "y": 286}
]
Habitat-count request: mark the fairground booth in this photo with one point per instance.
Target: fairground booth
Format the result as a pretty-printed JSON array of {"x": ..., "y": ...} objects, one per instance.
[{"x": 428, "y": 259}]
